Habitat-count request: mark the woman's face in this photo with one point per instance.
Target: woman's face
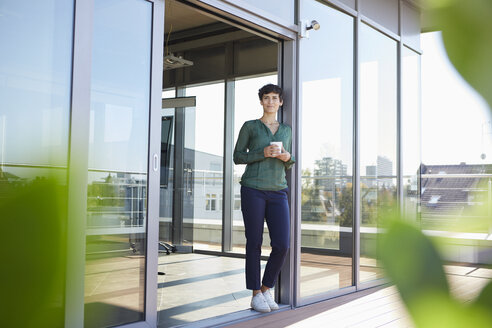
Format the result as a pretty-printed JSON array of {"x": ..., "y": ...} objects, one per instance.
[{"x": 271, "y": 102}]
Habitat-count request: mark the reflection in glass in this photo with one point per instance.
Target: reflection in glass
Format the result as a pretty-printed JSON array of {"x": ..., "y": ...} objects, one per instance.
[
  {"x": 35, "y": 91},
  {"x": 118, "y": 157},
  {"x": 326, "y": 72},
  {"x": 378, "y": 105},
  {"x": 35, "y": 82},
  {"x": 166, "y": 194},
  {"x": 410, "y": 132},
  {"x": 246, "y": 107}
]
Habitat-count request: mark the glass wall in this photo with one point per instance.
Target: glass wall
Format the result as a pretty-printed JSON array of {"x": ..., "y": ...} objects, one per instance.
[
  {"x": 35, "y": 84},
  {"x": 327, "y": 92},
  {"x": 204, "y": 140},
  {"x": 378, "y": 142},
  {"x": 246, "y": 107},
  {"x": 118, "y": 157},
  {"x": 410, "y": 133},
  {"x": 166, "y": 194},
  {"x": 35, "y": 91},
  {"x": 36, "y": 40}
]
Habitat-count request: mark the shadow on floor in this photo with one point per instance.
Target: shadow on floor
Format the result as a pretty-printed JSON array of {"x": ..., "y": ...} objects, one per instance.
[{"x": 99, "y": 314}]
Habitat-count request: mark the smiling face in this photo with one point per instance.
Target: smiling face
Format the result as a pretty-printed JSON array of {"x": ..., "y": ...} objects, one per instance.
[{"x": 271, "y": 102}]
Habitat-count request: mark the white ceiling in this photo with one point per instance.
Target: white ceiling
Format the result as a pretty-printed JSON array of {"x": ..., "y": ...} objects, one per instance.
[{"x": 182, "y": 17}]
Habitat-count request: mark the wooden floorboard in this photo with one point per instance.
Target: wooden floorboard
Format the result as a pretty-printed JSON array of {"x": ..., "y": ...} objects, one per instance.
[{"x": 376, "y": 307}]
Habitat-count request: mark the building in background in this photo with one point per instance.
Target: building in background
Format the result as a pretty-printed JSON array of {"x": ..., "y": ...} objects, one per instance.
[{"x": 451, "y": 192}]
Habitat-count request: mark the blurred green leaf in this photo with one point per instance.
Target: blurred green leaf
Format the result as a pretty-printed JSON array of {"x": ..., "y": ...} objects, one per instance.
[
  {"x": 411, "y": 261},
  {"x": 485, "y": 297},
  {"x": 439, "y": 310},
  {"x": 34, "y": 246},
  {"x": 466, "y": 30}
]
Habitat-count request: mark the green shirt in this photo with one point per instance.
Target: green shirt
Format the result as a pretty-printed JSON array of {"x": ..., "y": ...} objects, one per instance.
[{"x": 264, "y": 173}]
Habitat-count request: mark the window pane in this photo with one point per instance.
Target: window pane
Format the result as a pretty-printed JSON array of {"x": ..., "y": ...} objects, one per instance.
[
  {"x": 35, "y": 83},
  {"x": 378, "y": 104},
  {"x": 118, "y": 156},
  {"x": 36, "y": 40},
  {"x": 204, "y": 146},
  {"x": 246, "y": 107},
  {"x": 327, "y": 88},
  {"x": 410, "y": 132}
]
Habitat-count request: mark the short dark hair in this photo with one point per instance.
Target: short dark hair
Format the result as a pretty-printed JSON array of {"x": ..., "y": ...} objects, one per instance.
[{"x": 269, "y": 88}]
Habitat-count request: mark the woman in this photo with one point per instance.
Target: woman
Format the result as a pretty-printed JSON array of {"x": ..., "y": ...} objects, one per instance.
[{"x": 264, "y": 194}]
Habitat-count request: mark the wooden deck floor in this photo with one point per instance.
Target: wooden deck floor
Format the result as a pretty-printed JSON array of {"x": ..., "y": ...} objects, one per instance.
[{"x": 375, "y": 307}]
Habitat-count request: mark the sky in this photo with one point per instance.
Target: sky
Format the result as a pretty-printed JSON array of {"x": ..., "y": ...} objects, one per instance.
[{"x": 456, "y": 121}]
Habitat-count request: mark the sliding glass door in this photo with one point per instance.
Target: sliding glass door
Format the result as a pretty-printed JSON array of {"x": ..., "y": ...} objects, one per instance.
[
  {"x": 121, "y": 163},
  {"x": 326, "y": 129}
]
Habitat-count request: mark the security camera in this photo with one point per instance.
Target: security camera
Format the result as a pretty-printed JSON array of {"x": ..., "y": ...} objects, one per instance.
[
  {"x": 314, "y": 25},
  {"x": 306, "y": 25}
]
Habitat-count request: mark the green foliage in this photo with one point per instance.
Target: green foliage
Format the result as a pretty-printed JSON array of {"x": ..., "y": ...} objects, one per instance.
[
  {"x": 312, "y": 209},
  {"x": 32, "y": 278},
  {"x": 466, "y": 30},
  {"x": 412, "y": 262},
  {"x": 346, "y": 208},
  {"x": 410, "y": 259}
]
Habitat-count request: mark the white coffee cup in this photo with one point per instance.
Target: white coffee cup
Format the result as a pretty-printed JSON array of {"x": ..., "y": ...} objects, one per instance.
[{"x": 277, "y": 144}]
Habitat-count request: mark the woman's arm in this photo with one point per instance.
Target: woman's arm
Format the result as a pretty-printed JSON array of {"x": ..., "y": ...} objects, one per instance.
[{"x": 241, "y": 153}]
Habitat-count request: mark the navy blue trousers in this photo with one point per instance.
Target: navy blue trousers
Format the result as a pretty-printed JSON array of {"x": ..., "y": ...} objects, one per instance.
[{"x": 258, "y": 205}]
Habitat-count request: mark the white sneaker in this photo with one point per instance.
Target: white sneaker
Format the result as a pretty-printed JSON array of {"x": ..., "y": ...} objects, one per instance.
[
  {"x": 269, "y": 299},
  {"x": 258, "y": 303}
]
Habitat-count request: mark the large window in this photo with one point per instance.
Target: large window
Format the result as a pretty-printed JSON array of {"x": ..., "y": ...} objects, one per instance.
[
  {"x": 246, "y": 107},
  {"x": 410, "y": 133},
  {"x": 378, "y": 140},
  {"x": 35, "y": 84},
  {"x": 118, "y": 157},
  {"x": 327, "y": 86},
  {"x": 204, "y": 147},
  {"x": 35, "y": 92}
]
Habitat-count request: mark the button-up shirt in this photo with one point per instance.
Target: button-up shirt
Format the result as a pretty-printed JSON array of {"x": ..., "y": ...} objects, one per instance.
[{"x": 263, "y": 173}]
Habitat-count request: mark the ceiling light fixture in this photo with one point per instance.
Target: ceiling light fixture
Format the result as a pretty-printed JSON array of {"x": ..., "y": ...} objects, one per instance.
[{"x": 173, "y": 62}]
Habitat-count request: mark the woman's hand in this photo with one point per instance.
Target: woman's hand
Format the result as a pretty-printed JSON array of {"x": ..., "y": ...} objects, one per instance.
[
  {"x": 284, "y": 156},
  {"x": 271, "y": 151}
]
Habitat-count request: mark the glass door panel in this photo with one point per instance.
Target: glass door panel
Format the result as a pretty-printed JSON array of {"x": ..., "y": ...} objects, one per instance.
[
  {"x": 378, "y": 104},
  {"x": 36, "y": 68},
  {"x": 327, "y": 88},
  {"x": 411, "y": 133},
  {"x": 191, "y": 209},
  {"x": 167, "y": 174},
  {"x": 118, "y": 161},
  {"x": 176, "y": 205},
  {"x": 246, "y": 107},
  {"x": 205, "y": 146}
]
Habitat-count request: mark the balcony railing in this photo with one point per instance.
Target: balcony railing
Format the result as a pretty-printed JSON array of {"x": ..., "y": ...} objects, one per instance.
[{"x": 457, "y": 201}]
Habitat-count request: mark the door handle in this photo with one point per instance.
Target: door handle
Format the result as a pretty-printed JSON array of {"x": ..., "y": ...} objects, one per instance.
[
  {"x": 156, "y": 162},
  {"x": 189, "y": 180}
]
